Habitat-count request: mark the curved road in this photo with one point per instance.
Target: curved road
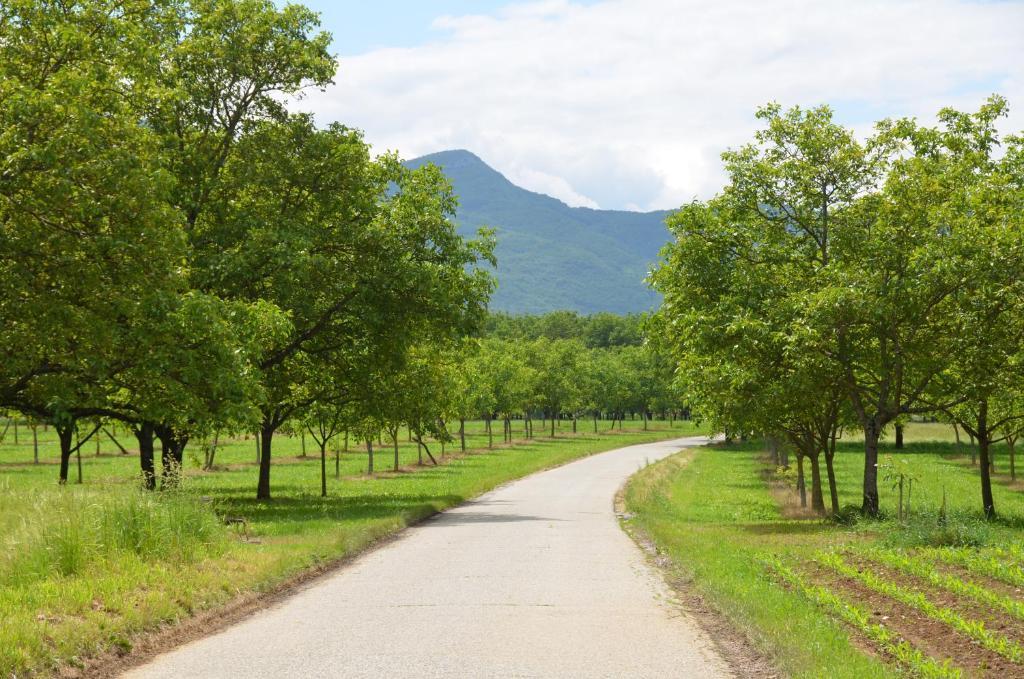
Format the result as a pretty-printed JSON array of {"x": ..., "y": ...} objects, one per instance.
[{"x": 534, "y": 579}]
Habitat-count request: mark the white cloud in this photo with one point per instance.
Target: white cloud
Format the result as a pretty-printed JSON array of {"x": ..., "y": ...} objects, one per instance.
[
  {"x": 630, "y": 102},
  {"x": 549, "y": 184}
]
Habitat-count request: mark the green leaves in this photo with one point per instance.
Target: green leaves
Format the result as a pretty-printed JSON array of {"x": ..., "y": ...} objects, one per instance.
[
  {"x": 176, "y": 249},
  {"x": 885, "y": 275},
  {"x": 88, "y": 243}
]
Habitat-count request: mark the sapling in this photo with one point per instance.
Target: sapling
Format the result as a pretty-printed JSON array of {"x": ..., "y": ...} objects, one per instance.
[{"x": 942, "y": 509}]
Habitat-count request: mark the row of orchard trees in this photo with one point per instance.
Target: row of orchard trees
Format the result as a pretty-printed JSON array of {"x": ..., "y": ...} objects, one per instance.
[
  {"x": 840, "y": 283},
  {"x": 559, "y": 378},
  {"x": 180, "y": 253},
  {"x": 499, "y": 380}
]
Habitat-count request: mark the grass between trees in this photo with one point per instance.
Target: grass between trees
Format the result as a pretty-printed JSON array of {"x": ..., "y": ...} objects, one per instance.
[
  {"x": 86, "y": 569},
  {"x": 934, "y": 594}
]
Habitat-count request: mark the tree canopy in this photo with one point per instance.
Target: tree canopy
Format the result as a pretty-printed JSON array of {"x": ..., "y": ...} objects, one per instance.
[{"x": 835, "y": 280}]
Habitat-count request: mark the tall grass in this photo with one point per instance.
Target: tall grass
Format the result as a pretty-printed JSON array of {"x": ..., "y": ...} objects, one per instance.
[{"x": 66, "y": 531}]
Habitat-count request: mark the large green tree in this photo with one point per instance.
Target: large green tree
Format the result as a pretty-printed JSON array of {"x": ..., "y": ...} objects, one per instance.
[
  {"x": 983, "y": 213},
  {"x": 841, "y": 247},
  {"x": 360, "y": 254},
  {"x": 891, "y": 312},
  {"x": 90, "y": 248}
]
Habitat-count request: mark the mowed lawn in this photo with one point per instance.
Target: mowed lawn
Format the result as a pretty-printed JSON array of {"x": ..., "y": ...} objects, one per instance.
[
  {"x": 937, "y": 594},
  {"x": 87, "y": 568}
]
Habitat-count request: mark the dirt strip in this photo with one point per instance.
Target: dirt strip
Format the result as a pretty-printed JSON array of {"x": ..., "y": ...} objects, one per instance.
[{"x": 735, "y": 647}]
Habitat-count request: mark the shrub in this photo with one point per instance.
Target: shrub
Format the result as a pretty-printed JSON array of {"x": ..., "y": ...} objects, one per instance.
[
  {"x": 849, "y": 515},
  {"x": 932, "y": 530}
]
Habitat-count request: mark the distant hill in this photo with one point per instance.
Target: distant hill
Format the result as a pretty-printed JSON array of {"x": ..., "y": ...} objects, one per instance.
[{"x": 552, "y": 256}]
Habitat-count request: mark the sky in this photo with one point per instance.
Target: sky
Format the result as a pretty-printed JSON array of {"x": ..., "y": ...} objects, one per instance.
[{"x": 628, "y": 104}]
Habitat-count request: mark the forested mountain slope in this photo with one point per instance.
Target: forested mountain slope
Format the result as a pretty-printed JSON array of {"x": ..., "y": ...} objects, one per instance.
[{"x": 552, "y": 256}]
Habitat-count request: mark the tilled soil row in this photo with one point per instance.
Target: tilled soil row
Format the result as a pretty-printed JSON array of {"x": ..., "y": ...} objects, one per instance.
[
  {"x": 931, "y": 637},
  {"x": 995, "y": 620}
]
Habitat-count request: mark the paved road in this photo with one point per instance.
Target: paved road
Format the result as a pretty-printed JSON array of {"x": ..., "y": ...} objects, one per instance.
[{"x": 534, "y": 579}]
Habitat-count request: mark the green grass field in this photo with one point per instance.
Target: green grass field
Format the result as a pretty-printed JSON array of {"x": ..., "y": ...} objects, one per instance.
[
  {"x": 88, "y": 568},
  {"x": 926, "y": 596}
]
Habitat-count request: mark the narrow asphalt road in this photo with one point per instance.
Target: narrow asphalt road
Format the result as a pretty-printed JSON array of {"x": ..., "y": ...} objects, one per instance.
[{"x": 534, "y": 579}]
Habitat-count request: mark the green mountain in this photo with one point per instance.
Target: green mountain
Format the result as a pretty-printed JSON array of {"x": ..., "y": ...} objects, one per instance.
[{"x": 552, "y": 256}]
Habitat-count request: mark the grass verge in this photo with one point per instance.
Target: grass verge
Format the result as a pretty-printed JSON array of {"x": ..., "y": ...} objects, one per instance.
[
  {"x": 711, "y": 513},
  {"x": 930, "y": 596}
]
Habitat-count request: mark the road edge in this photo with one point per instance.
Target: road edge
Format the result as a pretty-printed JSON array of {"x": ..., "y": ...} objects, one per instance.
[{"x": 731, "y": 644}]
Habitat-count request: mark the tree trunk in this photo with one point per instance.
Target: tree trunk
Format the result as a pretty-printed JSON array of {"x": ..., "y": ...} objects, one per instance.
[
  {"x": 211, "y": 452},
  {"x": 113, "y": 439},
  {"x": 490, "y": 433},
  {"x": 337, "y": 464},
  {"x": 266, "y": 440},
  {"x": 899, "y": 506},
  {"x": 172, "y": 448},
  {"x": 462, "y": 433},
  {"x": 644, "y": 416},
  {"x": 323, "y": 468},
  {"x": 552, "y": 425},
  {"x": 65, "y": 433},
  {"x": 801, "y": 484},
  {"x": 984, "y": 438},
  {"x": 426, "y": 450},
  {"x": 833, "y": 490},
  {"x": 144, "y": 435},
  {"x": 369, "y": 454},
  {"x": 817, "y": 498},
  {"x": 35, "y": 444},
  {"x": 394, "y": 439},
  {"x": 574, "y": 423},
  {"x": 303, "y": 440},
  {"x": 988, "y": 503},
  {"x": 899, "y": 437},
  {"x": 595, "y": 422},
  {"x": 872, "y": 430}
]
